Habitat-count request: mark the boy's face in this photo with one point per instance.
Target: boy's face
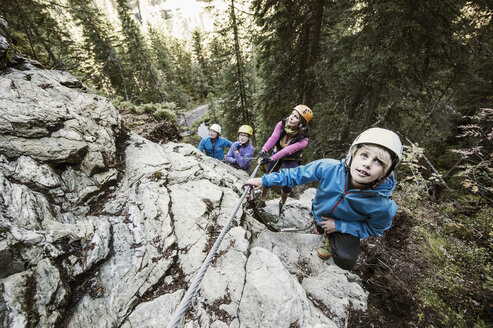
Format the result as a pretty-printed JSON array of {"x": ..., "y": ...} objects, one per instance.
[
  {"x": 243, "y": 138},
  {"x": 213, "y": 134},
  {"x": 366, "y": 167}
]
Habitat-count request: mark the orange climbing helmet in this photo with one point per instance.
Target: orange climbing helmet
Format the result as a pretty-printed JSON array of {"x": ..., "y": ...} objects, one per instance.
[{"x": 304, "y": 111}]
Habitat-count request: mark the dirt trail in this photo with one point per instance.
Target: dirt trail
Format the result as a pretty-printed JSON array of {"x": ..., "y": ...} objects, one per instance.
[{"x": 188, "y": 118}]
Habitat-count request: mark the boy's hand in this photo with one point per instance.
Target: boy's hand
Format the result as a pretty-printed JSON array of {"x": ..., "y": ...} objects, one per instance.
[
  {"x": 255, "y": 183},
  {"x": 329, "y": 225}
]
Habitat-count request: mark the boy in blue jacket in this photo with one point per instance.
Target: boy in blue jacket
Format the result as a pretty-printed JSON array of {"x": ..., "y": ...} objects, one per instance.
[
  {"x": 241, "y": 152},
  {"x": 214, "y": 144},
  {"x": 354, "y": 196}
]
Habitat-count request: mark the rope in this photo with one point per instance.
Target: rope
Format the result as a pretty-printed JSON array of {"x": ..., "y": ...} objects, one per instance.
[{"x": 187, "y": 298}]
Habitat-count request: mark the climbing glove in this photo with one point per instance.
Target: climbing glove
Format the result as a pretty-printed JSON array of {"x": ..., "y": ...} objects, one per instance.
[{"x": 261, "y": 155}]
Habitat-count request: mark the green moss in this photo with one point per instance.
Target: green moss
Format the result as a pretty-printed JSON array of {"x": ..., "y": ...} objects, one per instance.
[{"x": 447, "y": 209}]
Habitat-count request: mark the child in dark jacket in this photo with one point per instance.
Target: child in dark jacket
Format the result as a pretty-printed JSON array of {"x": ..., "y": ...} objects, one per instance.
[
  {"x": 288, "y": 139},
  {"x": 241, "y": 152},
  {"x": 353, "y": 198}
]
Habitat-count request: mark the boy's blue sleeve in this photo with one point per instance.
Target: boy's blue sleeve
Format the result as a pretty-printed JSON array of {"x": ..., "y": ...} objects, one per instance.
[
  {"x": 202, "y": 144},
  {"x": 376, "y": 224},
  {"x": 294, "y": 177}
]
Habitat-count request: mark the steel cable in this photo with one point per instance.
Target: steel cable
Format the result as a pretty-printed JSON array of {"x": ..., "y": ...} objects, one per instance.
[{"x": 187, "y": 298}]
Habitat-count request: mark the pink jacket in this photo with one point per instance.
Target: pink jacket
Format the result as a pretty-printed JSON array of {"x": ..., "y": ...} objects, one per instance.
[{"x": 288, "y": 150}]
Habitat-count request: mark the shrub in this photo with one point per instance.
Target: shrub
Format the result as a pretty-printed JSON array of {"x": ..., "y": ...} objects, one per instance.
[
  {"x": 477, "y": 154},
  {"x": 166, "y": 111},
  {"x": 165, "y": 114},
  {"x": 123, "y": 105},
  {"x": 453, "y": 236},
  {"x": 148, "y": 108}
]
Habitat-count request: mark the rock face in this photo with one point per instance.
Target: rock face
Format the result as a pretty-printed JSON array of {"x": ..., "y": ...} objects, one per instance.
[{"x": 102, "y": 228}]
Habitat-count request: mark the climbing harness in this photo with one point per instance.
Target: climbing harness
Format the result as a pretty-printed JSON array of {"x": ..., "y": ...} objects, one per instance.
[{"x": 187, "y": 298}]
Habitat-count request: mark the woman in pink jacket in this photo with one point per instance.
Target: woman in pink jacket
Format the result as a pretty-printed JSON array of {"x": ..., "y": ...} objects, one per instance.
[{"x": 289, "y": 138}]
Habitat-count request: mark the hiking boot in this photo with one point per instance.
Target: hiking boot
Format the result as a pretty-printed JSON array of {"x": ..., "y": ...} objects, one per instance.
[
  {"x": 323, "y": 249},
  {"x": 280, "y": 207},
  {"x": 261, "y": 204}
]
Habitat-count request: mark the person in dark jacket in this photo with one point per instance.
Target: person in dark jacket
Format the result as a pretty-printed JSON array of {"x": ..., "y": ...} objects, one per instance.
[
  {"x": 289, "y": 138},
  {"x": 214, "y": 144},
  {"x": 241, "y": 152},
  {"x": 354, "y": 196}
]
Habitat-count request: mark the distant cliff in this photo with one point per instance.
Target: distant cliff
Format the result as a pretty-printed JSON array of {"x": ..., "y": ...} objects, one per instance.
[{"x": 178, "y": 18}]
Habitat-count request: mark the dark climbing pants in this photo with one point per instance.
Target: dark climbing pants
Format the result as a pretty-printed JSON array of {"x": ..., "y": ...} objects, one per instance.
[{"x": 344, "y": 248}]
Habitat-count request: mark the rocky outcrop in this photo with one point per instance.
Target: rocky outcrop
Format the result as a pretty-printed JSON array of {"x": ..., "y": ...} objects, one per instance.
[{"x": 100, "y": 227}]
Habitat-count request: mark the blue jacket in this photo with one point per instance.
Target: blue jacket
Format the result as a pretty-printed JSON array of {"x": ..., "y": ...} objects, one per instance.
[
  {"x": 241, "y": 160},
  {"x": 215, "y": 149},
  {"x": 359, "y": 212}
]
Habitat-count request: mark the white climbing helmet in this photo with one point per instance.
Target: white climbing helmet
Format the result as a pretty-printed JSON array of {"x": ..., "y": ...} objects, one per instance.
[
  {"x": 381, "y": 137},
  {"x": 216, "y": 127}
]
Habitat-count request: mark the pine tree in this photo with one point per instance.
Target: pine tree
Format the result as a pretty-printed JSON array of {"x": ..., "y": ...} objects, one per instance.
[
  {"x": 201, "y": 76},
  {"x": 218, "y": 57},
  {"x": 234, "y": 85},
  {"x": 182, "y": 60},
  {"x": 104, "y": 64},
  {"x": 162, "y": 56},
  {"x": 396, "y": 65},
  {"x": 138, "y": 58},
  {"x": 288, "y": 49},
  {"x": 240, "y": 69},
  {"x": 38, "y": 35}
]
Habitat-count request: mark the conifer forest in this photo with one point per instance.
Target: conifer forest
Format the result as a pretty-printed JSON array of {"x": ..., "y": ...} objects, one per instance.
[{"x": 423, "y": 69}]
